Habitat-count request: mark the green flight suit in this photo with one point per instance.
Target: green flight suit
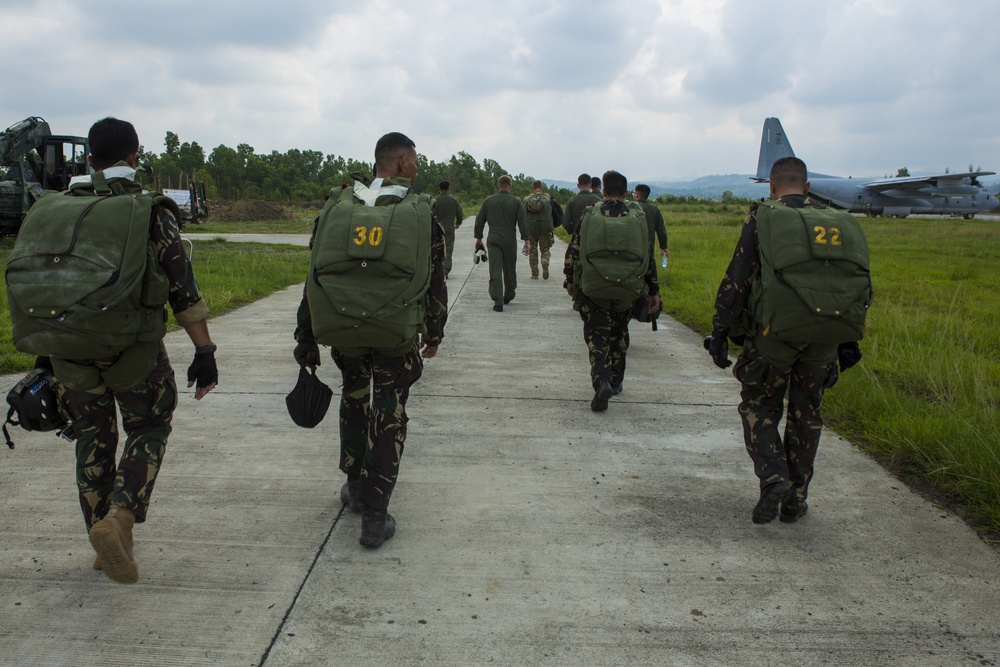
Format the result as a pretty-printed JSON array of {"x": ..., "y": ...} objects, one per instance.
[
  {"x": 504, "y": 213},
  {"x": 655, "y": 223},
  {"x": 449, "y": 213},
  {"x": 575, "y": 208}
]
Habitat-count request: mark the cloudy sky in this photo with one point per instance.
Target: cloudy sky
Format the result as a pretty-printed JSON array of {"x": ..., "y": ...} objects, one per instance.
[{"x": 653, "y": 88}]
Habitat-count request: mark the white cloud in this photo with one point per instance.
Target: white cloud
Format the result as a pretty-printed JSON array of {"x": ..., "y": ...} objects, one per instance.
[{"x": 657, "y": 88}]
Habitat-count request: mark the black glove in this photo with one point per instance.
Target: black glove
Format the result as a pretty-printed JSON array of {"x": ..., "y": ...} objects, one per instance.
[
  {"x": 203, "y": 371},
  {"x": 848, "y": 354},
  {"x": 306, "y": 353},
  {"x": 718, "y": 347}
]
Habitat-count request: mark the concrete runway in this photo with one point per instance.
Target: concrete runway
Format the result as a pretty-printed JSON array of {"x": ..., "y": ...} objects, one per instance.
[{"x": 531, "y": 531}]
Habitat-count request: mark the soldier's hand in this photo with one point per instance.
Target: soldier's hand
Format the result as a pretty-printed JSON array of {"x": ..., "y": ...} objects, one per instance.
[
  {"x": 428, "y": 351},
  {"x": 718, "y": 347},
  {"x": 306, "y": 353},
  {"x": 479, "y": 245},
  {"x": 653, "y": 305},
  {"x": 203, "y": 371},
  {"x": 569, "y": 289},
  {"x": 848, "y": 354}
]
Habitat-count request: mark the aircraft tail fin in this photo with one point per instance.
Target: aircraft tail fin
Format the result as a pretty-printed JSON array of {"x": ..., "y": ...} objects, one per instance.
[{"x": 773, "y": 146}]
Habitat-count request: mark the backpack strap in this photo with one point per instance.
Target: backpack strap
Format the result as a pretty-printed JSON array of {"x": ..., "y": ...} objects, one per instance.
[
  {"x": 6, "y": 433},
  {"x": 101, "y": 187}
]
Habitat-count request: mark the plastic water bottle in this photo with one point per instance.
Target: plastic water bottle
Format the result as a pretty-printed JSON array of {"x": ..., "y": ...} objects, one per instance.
[{"x": 664, "y": 263}]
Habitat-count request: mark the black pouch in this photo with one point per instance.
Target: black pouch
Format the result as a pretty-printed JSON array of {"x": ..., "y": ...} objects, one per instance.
[
  {"x": 641, "y": 311},
  {"x": 309, "y": 400}
]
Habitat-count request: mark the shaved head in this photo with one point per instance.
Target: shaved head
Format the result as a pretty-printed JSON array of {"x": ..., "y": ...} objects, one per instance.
[{"x": 789, "y": 173}]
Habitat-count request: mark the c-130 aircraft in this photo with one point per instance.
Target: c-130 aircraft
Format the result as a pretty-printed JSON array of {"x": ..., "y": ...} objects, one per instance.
[{"x": 948, "y": 194}]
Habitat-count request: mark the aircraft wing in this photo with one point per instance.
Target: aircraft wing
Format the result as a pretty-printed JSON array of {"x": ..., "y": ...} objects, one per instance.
[{"x": 917, "y": 182}]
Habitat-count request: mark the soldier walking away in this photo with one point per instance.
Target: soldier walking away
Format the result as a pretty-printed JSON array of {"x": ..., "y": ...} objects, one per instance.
[
  {"x": 539, "y": 224},
  {"x": 607, "y": 265},
  {"x": 106, "y": 345},
  {"x": 504, "y": 213},
  {"x": 578, "y": 203},
  {"x": 795, "y": 294},
  {"x": 388, "y": 284},
  {"x": 654, "y": 219},
  {"x": 449, "y": 213}
]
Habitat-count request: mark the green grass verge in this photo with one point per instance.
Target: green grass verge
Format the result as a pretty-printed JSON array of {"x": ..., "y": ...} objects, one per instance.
[
  {"x": 230, "y": 275},
  {"x": 926, "y": 396}
]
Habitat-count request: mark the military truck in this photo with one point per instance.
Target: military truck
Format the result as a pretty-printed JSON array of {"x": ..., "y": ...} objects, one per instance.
[
  {"x": 192, "y": 203},
  {"x": 32, "y": 161}
]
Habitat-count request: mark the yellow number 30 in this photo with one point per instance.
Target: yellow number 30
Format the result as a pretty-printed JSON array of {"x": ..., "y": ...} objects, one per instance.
[
  {"x": 373, "y": 236},
  {"x": 822, "y": 232}
]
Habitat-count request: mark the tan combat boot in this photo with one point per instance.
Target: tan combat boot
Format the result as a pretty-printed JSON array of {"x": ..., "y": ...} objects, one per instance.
[{"x": 111, "y": 538}]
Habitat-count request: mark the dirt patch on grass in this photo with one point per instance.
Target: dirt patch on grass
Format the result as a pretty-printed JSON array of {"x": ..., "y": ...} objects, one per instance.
[{"x": 248, "y": 210}]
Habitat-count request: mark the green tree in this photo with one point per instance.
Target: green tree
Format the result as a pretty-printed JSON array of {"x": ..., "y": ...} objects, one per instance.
[
  {"x": 901, "y": 172},
  {"x": 172, "y": 143}
]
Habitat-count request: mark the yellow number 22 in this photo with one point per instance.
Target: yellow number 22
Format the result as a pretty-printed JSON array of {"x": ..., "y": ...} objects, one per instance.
[{"x": 821, "y": 233}]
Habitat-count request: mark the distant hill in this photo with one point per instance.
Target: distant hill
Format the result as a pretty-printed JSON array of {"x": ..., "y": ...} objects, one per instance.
[{"x": 705, "y": 187}]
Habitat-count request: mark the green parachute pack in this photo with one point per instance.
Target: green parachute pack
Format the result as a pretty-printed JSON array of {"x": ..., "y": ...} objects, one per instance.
[
  {"x": 83, "y": 281},
  {"x": 815, "y": 283},
  {"x": 370, "y": 272},
  {"x": 538, "y": 221},
  {"x": 614, "y": 257}
]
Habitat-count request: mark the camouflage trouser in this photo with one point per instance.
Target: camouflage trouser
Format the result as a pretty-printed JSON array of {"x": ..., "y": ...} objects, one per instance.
[
  {"x": 804, "y": 372},
  {"x": 539, "y": 245},
  {"x": 373, "y": 419},
  {"x": 606, "y": 335},
  {"x": 147, "y": 411}
]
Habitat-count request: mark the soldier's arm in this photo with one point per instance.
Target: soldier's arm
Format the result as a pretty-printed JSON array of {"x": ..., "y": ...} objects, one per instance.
[
  {"x": 661, "y": 229},
  {"x": 460, "y": 217},
  {"x": 437, "y": 294},
  {"x": 480, "y": 221},
  {"x": 303, "y": 318},
  {"x": 185, "y": 300},
  {"x": 184, "y": 297},
  {"x": 734, "y": 290}
]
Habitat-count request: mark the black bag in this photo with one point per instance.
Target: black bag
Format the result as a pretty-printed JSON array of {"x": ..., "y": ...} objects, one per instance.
[
  {"x": 35, "y": 403},
  {"x": 641, "y": 311},
  {"x": 309, "y": 400}
]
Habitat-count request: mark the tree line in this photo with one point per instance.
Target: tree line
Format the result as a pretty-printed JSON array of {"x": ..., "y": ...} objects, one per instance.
[{"x": 308, "y": 175}]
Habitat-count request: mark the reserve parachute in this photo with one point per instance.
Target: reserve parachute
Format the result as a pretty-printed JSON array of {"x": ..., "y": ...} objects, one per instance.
[
  {"x": 82, "y": 280},
  {"x": 614, "y": 257},
  {"x": 814, "y": 284},
  {"x": 370, "y": 270}
]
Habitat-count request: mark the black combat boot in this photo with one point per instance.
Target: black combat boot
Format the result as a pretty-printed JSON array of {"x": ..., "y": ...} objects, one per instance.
[
  {"x": 602, "y": 393},
  {"x": 771, "y": 497},
  {"x": 377, "y": 525},
  {"x": 349, "y": 495},
  {"x": 792, "y": 509}
]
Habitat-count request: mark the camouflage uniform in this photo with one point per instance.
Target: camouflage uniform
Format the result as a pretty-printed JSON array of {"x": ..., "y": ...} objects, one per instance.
[
  {"x": 605, "y": 331},
  {"x": 147, "y": 409},
  {"x": 505, "y": 214},
  {"x": 375, "y": 390},
  {"x": 768, "y": 370},
  {"x": 539, "y": 227},
  {"x": 449, "y": 213}
]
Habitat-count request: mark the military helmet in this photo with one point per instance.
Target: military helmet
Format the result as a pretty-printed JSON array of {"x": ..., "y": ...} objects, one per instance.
[{"x": 34, "y": 404}]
